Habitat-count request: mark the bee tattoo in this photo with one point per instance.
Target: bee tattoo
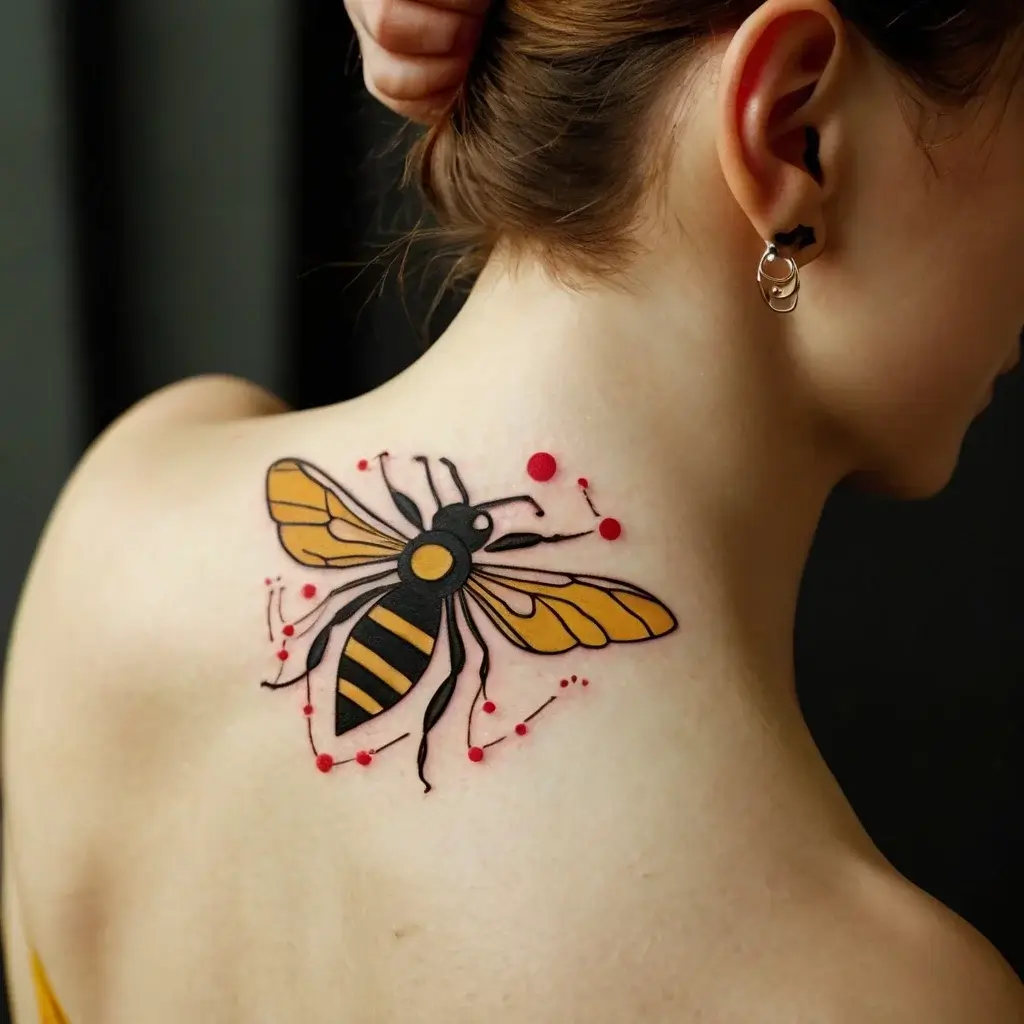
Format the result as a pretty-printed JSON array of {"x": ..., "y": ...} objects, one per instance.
[{"x": 427, "y": 582}]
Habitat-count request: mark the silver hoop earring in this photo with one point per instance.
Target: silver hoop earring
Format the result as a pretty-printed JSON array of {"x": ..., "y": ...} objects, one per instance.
[{"x": 781, "y": 293}]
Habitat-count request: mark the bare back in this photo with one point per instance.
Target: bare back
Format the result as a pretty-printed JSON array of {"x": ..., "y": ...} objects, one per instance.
[{"x": 605, "y": 836}]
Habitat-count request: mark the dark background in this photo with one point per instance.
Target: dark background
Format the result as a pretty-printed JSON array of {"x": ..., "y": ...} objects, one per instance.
[{"x": 199, "y": 186}]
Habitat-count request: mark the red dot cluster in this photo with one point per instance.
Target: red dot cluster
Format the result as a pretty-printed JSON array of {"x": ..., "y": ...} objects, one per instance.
[{"x": 543, "y": 466}]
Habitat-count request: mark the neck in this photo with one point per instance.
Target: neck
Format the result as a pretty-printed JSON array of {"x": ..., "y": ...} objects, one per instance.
[{"x": 683, "y": 412}]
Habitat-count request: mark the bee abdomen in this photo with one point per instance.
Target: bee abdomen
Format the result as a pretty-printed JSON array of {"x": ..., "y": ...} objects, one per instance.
[{"x": 385, "y": 656}]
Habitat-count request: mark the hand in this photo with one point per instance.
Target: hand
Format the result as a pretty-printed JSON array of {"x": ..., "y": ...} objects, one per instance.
[{"x": 416, "y": 52}]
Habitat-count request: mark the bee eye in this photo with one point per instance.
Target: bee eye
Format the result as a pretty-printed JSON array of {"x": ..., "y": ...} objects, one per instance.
[{"x": 482, "y": 522}]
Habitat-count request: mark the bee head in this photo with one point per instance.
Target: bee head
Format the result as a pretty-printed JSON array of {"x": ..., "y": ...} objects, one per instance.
[{"x": 473, "y": 526}]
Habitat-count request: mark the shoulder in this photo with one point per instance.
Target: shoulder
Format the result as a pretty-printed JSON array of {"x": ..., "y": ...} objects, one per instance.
[
  {"x": 101, "y": 627},
  {"x": 958, "y": 977},
  {"x": 925, "y": 963}
]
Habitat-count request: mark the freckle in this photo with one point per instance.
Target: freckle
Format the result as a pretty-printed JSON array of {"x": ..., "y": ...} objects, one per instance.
[
  {"x": 586, "y": 682},
  {"x": 308, "y": 710},
  {"x": 282, "y": 655},
  {"x": 363, "y": 757},
  {"x": 476, "y": 754},
  {"x": 325, "y": 762},
  {"x": 490, "y": 707},
  {"x": 564, "y": 683},
  {"x": 289, "y": 630},
  {"x": 522, "y": 729},
  {"x": 573, "y": 678},
  {"x": 309, "y": 590}
]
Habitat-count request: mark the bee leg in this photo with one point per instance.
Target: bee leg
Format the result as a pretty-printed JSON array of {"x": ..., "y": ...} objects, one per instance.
[
  {"x": 485, "y": 661},
  {"x": 443, "y": 694},
  {"x": 319, "y": 645},
  {"x": 351, "y": 585},
  {"x": 498, "y": 502},
  {"x": 457, "y": 480},
  {"x": 514, "y": 541},
  {"x": 409, "y": 509},
  {"x": 430, "y": 478},
  {"x": 485, "y": 664}
]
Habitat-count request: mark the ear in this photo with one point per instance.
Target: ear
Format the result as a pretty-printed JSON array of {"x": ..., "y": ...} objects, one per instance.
[{"x": 776, "y": 109}]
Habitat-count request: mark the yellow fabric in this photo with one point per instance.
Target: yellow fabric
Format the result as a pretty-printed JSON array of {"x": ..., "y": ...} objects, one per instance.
[{"x": 50, "y": 1011}]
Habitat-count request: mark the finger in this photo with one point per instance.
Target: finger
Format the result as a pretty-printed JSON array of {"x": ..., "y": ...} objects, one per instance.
[
  {"x": 426, "y": 111},
  {"x": 413, "y": 28},
  {"x": 394, "y": 79}
]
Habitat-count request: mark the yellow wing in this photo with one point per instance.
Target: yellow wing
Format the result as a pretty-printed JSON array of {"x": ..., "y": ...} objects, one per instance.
[
  {"x": 549, "y": 613},
  {"x": 316, "y": 521}
]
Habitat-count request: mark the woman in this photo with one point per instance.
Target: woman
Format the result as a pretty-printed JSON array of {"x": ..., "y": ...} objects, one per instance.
[{"x": 473, "y": 699}]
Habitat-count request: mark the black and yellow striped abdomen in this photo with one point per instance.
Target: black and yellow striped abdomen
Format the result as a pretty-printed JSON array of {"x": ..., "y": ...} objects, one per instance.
[{"x": 385, "y": 655}]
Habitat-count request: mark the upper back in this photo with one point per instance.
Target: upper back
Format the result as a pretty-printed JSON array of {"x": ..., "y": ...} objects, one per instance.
[{"x": 187, "y": 844}]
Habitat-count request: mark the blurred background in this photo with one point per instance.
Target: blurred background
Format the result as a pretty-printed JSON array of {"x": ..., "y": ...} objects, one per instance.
[{"x": 204, "y": 187}]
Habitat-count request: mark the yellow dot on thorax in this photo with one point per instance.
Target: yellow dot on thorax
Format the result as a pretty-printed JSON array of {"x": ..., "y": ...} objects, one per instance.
[{"x": 431, "y": 562}]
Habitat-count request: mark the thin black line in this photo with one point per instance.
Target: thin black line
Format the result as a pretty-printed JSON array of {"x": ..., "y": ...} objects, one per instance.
[
  {"x": 309, "y": 729},
  {"x": 457, "y": 480},
  {"x": 590, "y": 503},
  {"x": 494, "y": 743},
  {"x": 584, "y": 580},
  {"x": 484, "y": 664},
  {"x": 399, "y": 739},
  {"x": 270, "y": 628},
  {"x": 275, "y": 685},
  {"x": 540, "y": 709},
  {"x": 280, "y": 598},
  {"x": 472, "y": 711},
  {"x": 348, "y": 494},
  {"x": 500, "y": 623},
  {"x": 430, "y": 478},
  {"x": 351, "y": 585}
]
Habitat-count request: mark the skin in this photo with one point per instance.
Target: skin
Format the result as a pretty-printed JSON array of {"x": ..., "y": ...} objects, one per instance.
[
  {"x": 672, "y": 850},
  {"x": 416, "y": 52}
]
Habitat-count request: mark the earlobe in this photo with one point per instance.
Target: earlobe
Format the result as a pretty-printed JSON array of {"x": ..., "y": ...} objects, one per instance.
[{"x": 776, "y": 84}]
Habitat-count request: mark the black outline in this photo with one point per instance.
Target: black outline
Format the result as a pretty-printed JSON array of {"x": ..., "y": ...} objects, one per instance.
[{"x": 485, "y": 574}]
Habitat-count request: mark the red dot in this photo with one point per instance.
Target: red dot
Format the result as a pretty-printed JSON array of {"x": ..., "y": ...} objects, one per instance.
[
  {"x": 611, "y": 529},
  {"x": 573, "y": 679},
  {"x": 364, "y": 758},
  {"x": 363, "y": 464},
  {"x": 267, "y": 581},
  {"x": 289, "y": 630},
  {"x": 586, "y": 682},
  {"x": 476, "y": 754},
  {"x": 490, "y": 707},
  {"x": 282, "y": 655},
  {"x": 522, "y": 729},
  {"x": 564, "y": 683},
  {"x": 541, "y": 466},
  {"x": 309, "y": 590},
  {"x": 308, "y": 710},
  {"x": 583, "y": 482},
  {"x": 324, "y": 762}
]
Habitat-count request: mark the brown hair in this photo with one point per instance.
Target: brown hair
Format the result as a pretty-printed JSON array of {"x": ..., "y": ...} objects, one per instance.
[{"x": 546, "y": 142}]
